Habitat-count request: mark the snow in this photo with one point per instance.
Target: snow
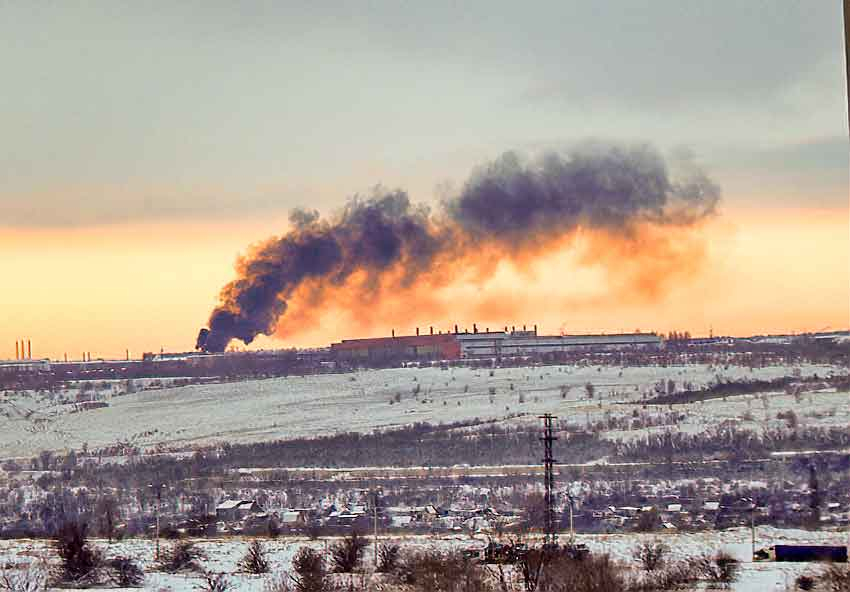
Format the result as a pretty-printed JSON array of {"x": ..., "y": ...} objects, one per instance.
[
  {"x": 259, "y": 410},
  {"x": 222, "y": 555}
]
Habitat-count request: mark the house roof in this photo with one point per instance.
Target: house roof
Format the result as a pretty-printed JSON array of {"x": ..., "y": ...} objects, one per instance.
[{"x": 233, "y": 504}]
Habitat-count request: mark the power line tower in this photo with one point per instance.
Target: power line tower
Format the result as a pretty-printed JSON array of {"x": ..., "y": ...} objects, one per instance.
[{"x": 549, "y": 476}]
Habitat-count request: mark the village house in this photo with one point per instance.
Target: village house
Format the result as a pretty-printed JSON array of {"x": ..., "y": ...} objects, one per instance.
[{"x": 236, "y": 510}]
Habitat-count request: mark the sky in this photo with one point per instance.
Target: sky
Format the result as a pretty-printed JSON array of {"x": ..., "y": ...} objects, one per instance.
[{"x": 146, "y": 145}]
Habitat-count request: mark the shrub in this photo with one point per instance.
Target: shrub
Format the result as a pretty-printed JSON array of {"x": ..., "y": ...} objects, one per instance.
[
  {"x": 32, "y": 578},
  {"x": 805, "y": 582},
  {"x": 278, "y": 583},
  {"x": 650, "y": 554},
  {"x": 79, "y": 561},
  {"x": 836, "y": 579},
  {"x": 594, "y": 573},
  {"x": 432, "y": 571},
  {"x": 310, "y": 573},
  {"x": 255, "y": 561},
  {"x": 388, "y": 555},
  {"x": 214, "y": 582},
  {"x": 669, "y": 577},
  {"x": 720, "y": 568},
  {"x": 346, "y": 554},
  {"x": 183, "y": 556},
  {"x": 125, "y": 573}
]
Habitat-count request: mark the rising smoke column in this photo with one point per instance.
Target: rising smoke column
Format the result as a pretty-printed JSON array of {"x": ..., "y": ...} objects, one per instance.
[{"x": 512, "y": 207}]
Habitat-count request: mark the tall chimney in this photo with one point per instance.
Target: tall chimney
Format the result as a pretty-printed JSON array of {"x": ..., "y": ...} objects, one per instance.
[
  {"x": 455, "y": 329},
  {"x": 535, "y": 330},
  {"x": 523, "y": 327},
  {"x": 432, "y": 330},
  {"x": 474, "y": 328},
  {"x": 66, "y": 356},
  {"x": 393, "y": 332},
  {"x": 29, "y": 350},
  {"x": 417, "y": 331},
  {"x": 17, "y": 355},
  {"x": 128, "y": 354}
]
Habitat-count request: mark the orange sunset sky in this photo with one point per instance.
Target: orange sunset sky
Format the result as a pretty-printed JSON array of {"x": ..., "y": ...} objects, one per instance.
[{"x": 143, "y": 150}]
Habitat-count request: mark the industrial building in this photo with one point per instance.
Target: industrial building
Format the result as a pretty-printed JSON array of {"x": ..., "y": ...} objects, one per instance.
[
  {"x": 486, "y": 344},
  {"x": 443, "y": 346},
  {"x": 529, "y": 343}
]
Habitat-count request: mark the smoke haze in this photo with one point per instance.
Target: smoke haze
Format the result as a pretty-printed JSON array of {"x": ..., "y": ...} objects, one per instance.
[{"x": 627, "y": 201}]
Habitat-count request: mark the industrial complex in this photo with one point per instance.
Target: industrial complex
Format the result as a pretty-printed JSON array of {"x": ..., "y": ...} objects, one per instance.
[{"x": 485, "y": 344}]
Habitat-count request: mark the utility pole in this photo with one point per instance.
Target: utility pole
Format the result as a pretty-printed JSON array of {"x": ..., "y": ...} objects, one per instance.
[
  {"x": 375, "y": 516},
  {"x": 158, "y": 487},
  {"x": 549, "y": 476},
  {"x": 752, "y": 503}
]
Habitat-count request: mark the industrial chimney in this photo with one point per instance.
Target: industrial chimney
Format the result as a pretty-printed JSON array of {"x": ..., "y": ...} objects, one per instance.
[
  {"x": 393, "y": 332},
  {"x": 455, "y": 329},
  {"x": 17, "y": 355},
  {"x": 417, "y": 331},
  {"x": 29, "y": 350},
  {"x": 535, "y": 330},
  {"x": 474, "y": 328},
  {"x": 432, "y": 330}
]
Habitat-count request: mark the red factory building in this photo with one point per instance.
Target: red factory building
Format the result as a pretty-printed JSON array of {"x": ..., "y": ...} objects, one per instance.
[{"x": 441, "y": 346}]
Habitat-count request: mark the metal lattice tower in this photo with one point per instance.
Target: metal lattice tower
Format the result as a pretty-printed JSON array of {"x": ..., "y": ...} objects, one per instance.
[{"x": 549, "y": 477}]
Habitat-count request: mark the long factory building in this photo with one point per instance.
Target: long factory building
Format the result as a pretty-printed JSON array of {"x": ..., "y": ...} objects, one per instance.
[{"x": 486, "y": 344}]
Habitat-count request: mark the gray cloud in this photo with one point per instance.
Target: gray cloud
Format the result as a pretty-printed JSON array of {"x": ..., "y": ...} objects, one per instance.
[{"x": 218, "y": 95}]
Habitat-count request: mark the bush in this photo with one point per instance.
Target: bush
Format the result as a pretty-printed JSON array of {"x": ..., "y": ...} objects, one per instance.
[
  {"x": 278, "y": 583},
  {"x": 183, "y": 556},
  {"x": 255, "y": 561},
  {"x": 125, "y": 573},
  {"x": 432, "y": 571},
  {"x": 32, "y": 578},
  {"x": 346, "y": 554},
  {"x": 650, "y": 554},
  {"x": 214, "y": 582},
  {"x": 388, "y": 555},
  {"x": 669, "y": 577},
  {"x": 836, "y": 579},
  {"x": 805, "y": 582},
  {"x": 80, "y": 562},
  {"x": 594, "y": 573},
  {"x": 310, "y": 573},
  {"x": 720, "y": 568}
]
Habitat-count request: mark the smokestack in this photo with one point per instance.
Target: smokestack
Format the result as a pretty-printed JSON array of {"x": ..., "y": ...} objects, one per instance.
[
  {"x": 66, "y": 356},
  {"x": 128, "y": 354},
  {"x": 535, "y": 330},
  {"x": 17, "y": 356},
  {"x": 432, "y": 330},
  {"x": 455, "y": 329},
  {"x": 474, "y": 328},
  {"x": 29, "y": 350},
  {"x": 417, "y": 331},
  {"x": 393, "y": 332},
  {"x": 523, "y": 328},
  {"x": 514, "y": 206}
]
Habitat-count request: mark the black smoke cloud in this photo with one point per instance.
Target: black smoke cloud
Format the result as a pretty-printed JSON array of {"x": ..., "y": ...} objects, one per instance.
[{"x": 514, "y": 205}]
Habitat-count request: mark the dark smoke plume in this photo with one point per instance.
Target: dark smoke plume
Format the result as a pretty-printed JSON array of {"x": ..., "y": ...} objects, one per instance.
[{"x": 511, "y": 207}]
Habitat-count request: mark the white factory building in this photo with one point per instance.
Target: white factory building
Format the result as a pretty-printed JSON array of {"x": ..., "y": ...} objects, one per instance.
[{"x": 524, "y": 343}]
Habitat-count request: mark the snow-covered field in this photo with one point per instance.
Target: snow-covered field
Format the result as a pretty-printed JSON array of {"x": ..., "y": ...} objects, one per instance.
[
  {"x": 362, "y": 401},
  {"x": 222, "y": 556}
]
